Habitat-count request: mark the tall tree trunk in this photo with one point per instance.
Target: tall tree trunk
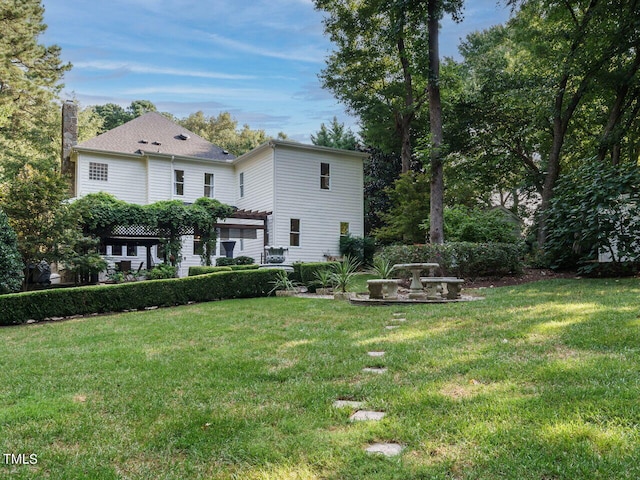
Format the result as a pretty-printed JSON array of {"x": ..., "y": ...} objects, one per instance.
[
  {"x": 405, "y": 119},
  {"x": 436, "y": 224}
]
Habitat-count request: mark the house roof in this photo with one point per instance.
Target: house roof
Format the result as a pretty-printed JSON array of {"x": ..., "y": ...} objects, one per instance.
[{"x": 154, "y": 133}]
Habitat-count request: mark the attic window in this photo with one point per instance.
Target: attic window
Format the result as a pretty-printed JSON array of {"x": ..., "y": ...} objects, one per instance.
[
  {"x": 184, "y": 136},
  {"x": 156, "y": 143},
  {"x": 143, "y": 141}
]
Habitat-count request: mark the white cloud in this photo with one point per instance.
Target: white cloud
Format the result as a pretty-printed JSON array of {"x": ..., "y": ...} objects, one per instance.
[
  {"x": 147, "y": 69},
  {"x": 310, "y": 54}
]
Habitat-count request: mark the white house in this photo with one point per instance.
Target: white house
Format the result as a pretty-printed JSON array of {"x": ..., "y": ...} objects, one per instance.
[{"x": 298, "y": 196}]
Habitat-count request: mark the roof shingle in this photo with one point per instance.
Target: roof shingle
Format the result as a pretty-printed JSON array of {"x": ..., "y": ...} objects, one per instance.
[{"x": 153, "y": 132}]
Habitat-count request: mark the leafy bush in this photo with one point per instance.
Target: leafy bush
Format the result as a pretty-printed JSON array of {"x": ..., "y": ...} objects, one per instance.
[
  {"x": 462, "y": 224},
  {"x": 224, "y": 262},
  {"x": 17, "y": 308},
  {"x": 462, "y": 259},
  {"x": 194, "y": 271},
  {"x": 11, "y": 267},
  {"x": 307, "y": 273},
  {"x": 200, "y": 270},
  {"x": 596, "y": 208},
  {"x": 162, "y": 271},
  {"x": 359, "y": 248},
  {"x": 244, "y": 260}
]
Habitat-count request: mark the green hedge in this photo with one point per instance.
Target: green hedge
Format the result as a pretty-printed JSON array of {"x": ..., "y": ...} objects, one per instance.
[
  {"x": 19, "y": 307},
  {"x": 462, "y": 259},
  {"x": 305, "y": 273},
  {"x": 193, "y": 271}
]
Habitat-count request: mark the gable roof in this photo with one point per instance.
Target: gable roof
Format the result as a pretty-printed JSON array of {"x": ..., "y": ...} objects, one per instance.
[{"x": 154, "y": 133}]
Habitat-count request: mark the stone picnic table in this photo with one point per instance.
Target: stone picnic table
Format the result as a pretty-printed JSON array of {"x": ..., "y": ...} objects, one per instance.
[{"x": 415, "y": 289}]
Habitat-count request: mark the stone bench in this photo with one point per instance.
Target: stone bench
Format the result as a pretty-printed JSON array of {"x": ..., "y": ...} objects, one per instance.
[
  {"x": 381, "y": 288},
  {"x": 452, "y": 285}
]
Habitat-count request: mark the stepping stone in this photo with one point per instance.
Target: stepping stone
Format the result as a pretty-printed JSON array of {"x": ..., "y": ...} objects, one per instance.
[
  {"x": 375, "y": 370},
  {"x": 375, "y": 354},
  {"x": 399, "y": 319},
  {"x": 398, "y": 314},
  {"x": 365, "y": 415},
  {"x": 386, "y": 449},
  {"x": 347, "y": 404},
  {"x": 391, "y": 327}
]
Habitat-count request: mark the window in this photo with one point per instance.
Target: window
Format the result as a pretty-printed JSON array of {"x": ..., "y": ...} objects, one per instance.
[
  {"x": 242, "y": 185},
  {"x": 132, "y": 250},
  {"x": 98, "y": 171},
  {"x": 178, "y": 184},
  {"x": 344, "y": 229},
  {"x": 116, "y": 250},
  {"x": 208, "y": 185},
  {"x": 325, "y": 176},
  {"x": 198, "y": 247},
  {"x": 294, "y": 235}
]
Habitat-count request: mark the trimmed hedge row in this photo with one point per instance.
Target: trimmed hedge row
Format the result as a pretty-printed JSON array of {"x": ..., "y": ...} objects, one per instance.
[
  {"x": 305, "y": 273},
  {"x": 462, "y": 259},
  {"x": 193, "y": 271},
  {"x": 17, "y": 308}
]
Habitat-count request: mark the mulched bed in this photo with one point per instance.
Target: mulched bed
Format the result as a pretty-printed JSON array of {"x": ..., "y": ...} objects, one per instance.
[{"x": 529, "y": 275}]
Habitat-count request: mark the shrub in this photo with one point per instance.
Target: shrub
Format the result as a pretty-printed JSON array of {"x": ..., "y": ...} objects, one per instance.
[
  {"x": 194, "y": 271},
  {"x": 243, "y": 260},
  {"x": 11, "y": 267},
  {"x": 200, "y": 270},
  {"x": 224, "y": 262},
  {"x": 162, "y": 271},
  {"x": 462, "y": 259},
  {"x": 462, "y": 224},
  {"x": 306, "y": 273},
  {"x": 359, "y": 248},
  {"x": 17, "y": 308}
]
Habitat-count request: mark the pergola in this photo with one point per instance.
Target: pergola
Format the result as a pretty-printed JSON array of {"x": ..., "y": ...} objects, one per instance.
[{"x": 142, "y": 236}]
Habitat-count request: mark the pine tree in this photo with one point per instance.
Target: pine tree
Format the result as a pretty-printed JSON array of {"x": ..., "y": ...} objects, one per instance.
[{"x": 30, "y": 76}]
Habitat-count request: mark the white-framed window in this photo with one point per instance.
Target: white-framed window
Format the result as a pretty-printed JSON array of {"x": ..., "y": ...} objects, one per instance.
[
  {"x": 294, "y": 233},
  {"x": 325, "y": 176},
  {"x": 178, "y": 182},
  {"x": 208, "y": 185},
  {"x": 132, "y": 250},
  {"x": 98, "y": 171},
  {"x": 241, "y": 184},
  {"x": 344, "y": 229}
]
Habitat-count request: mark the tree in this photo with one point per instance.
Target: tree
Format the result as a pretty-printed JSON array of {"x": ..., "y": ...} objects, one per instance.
[
  {"x": 113, "y": 115},
  {"x": 30, "y": 80},
  {"x": 578, "y": 48},
  {"x": 11, "y": 266},
  {"x": 378, "y": 68},
  {"x": 223, "y": 132},
  {"x": 335, "y": 136},
  {"x": 35, "y": 203},
  {"x": 435, "y": 10},
  {"x": 386, "y": 70}
]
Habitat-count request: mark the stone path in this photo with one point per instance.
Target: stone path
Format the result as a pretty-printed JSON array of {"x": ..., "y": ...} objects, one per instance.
[{"x": 386, "y": 449}]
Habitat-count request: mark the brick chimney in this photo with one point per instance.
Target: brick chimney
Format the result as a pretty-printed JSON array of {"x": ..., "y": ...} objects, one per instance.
[{"x": 69, "y": 140}]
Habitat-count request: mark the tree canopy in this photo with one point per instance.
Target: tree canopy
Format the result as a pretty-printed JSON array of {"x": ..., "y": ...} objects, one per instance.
[{"x": 30, "y": 79}]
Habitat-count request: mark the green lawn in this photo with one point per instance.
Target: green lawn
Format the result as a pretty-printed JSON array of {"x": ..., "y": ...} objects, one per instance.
[{"x": 540, "y": 381}]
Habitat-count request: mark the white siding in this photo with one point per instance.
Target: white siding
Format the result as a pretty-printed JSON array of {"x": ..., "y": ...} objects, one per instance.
[
  {"x": 298, "y": 195},
  {"x": 258, "y": 182},
  {"x": 124, "y": 177},
  {"x": 161, "y": 180}
]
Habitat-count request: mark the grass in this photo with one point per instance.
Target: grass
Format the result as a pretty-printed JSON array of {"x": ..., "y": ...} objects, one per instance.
[{"x": 539, "y": 381}]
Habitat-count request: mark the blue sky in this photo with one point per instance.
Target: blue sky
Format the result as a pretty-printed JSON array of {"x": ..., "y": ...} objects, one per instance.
[{"x": 257, "y": 59}]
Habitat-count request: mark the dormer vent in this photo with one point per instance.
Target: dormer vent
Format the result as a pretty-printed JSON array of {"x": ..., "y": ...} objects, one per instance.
[
  {"x": 184, "y": 136},
  {"x": 143, "y": 141},
  {"x": 225, "y": 152},
  {"x": 156, "y": 143}
]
